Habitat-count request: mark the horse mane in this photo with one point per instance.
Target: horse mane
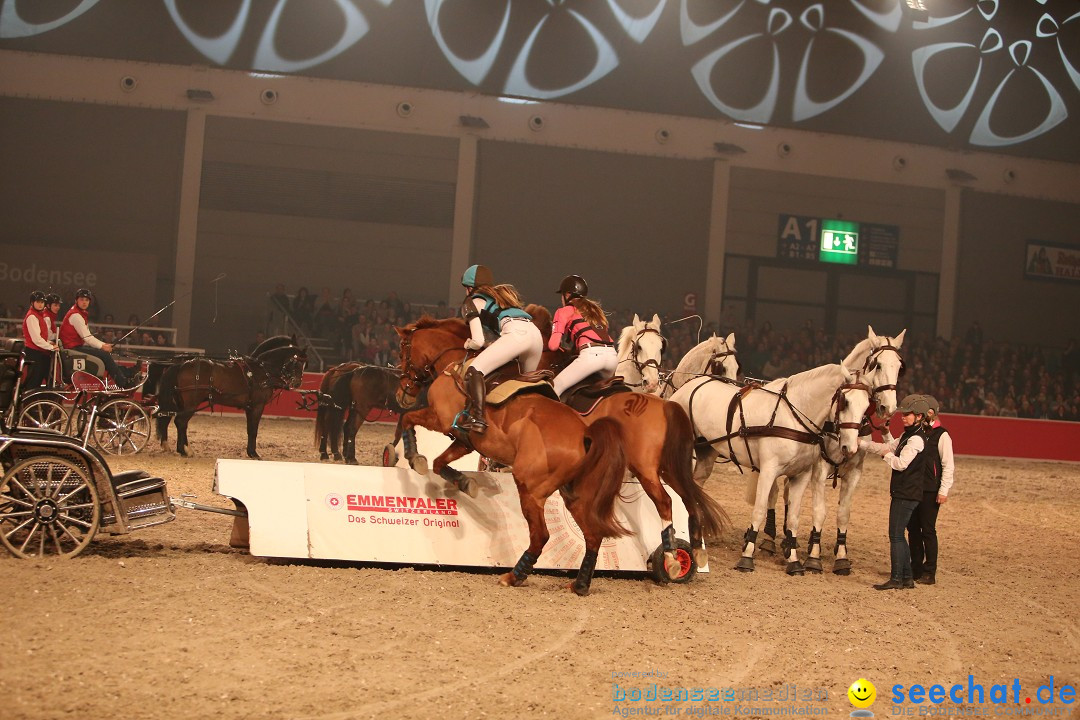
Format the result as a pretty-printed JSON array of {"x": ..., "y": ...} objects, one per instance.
[
  {"x": 859, "y": 353},
  {"x": 452, "y": 325},
  {"x": 273, "y": 343},
  {"x": 804, "y": 377}
]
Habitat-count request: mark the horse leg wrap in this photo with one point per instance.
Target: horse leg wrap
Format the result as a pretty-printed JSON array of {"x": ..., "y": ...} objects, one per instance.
[
  {"x": 770, "y": 522},
  {"x": 789, "y": 542},
  {"x": 585, "y": 573},
  {"x": 813, "y": 564},
  {"x": 667, "y": 537},
  {"x": 525, "y": 565},
  {"x": 815, "y": 539},
  {"x": 841, "y": 539},
  {"x": 749, "y": 537},
  {"x": 408, "y": 441}
]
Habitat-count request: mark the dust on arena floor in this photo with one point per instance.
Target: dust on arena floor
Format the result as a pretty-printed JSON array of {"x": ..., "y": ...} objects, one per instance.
[{"x": 172, "y": 622}]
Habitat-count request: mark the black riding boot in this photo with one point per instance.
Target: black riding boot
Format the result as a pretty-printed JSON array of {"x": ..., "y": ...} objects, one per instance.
[{"x": 473, "y": 419}]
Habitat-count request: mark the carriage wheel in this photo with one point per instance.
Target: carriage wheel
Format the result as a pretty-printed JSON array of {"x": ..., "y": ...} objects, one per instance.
[
  {"x": 43, "y": 414},
  {"x": 122, "y": 427},
  {"x": 389, "y": 456},
  {"x": 687, "y": 565},
  {"x": 48, "y": 507}
]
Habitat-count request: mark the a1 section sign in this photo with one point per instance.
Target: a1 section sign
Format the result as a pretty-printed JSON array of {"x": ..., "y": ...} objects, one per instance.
[{"x": 837, "y": 241}]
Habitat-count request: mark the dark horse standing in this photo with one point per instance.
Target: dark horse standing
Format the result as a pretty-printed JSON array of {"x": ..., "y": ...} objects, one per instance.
[
  {"x": 355, "y": 389},
  {"x": 247, "y": 382}
]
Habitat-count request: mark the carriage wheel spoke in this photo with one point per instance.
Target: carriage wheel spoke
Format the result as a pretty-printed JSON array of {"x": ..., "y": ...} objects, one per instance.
[
  {"x": 30, "y": 535},
  {"x": 56, "y": 542},
  {"x": 75, "y": 520},
  {"x": 67, "y": 532},
  {"x": 18, "y": 501},
  {"x": 21, "y": 513}
]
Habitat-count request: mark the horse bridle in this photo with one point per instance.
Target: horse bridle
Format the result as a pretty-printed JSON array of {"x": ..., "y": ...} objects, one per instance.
[
  {"x": 635, "y": 348},
  {"x": 871, "y": 365},
  {"x": 715, "y": 366},
  {"x": 414, "y": 381}
]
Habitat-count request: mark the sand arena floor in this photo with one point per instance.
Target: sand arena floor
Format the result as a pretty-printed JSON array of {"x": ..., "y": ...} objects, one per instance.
[{"x": 170, "y": 622}]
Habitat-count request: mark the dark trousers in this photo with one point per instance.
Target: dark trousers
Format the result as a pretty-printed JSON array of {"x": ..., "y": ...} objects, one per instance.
[
  {"x": 117, "y": 373},
  {"x": 40, "y": 363},
  {"x": 922, "y": 535},
  {"x": 899, "y": 514}
]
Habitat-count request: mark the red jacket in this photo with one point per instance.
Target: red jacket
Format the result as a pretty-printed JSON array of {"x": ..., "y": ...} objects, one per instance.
[
  {"x": 69, "y": 336},
  {"x": 33, "y": 316}
]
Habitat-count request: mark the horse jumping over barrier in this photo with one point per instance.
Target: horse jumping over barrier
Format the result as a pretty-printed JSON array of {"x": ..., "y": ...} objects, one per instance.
[
  {"x": 247, "y": 382},
  {"x": 775, "y": 429},
  {"x": 544, "y": 441},
  {"x": 659, "y": 446}
]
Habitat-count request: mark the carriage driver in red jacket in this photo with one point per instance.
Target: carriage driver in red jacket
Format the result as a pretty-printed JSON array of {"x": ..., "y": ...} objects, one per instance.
[
  {"x": 75, "y": 335},
  {"x": 36, "y": 346}
]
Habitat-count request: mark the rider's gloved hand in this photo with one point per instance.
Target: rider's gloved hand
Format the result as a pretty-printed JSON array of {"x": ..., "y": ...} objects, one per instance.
[{"x": 471, "y": 344}]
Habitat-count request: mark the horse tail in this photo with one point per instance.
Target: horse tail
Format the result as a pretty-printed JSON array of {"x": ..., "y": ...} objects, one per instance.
[
  {"x": 677, "y": 469},
  {"x": 598, "y": 478},
  {"x": 321, "y": 410},
  {"x": 167, "y": 400}
]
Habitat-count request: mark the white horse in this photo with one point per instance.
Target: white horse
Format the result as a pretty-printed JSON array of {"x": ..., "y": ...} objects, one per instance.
[
  {"x": 775, "y": 429},
  {"x": 640, "y": 347},
  {"x": 715, "y": 356}
]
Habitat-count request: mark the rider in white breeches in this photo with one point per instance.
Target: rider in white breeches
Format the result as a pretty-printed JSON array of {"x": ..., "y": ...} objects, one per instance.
[
  {"x": 497, "y": 308},
  {"x": 588, "y": 338}
]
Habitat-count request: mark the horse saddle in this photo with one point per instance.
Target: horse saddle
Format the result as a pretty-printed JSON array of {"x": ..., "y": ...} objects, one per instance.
[
  {"x": 587, "y": 394},
  {"x": 507, "y": 381}
]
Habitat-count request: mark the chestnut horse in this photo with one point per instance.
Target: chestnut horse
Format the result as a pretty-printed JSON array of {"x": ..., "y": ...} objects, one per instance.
[
  {"x": 544, "y": 441},
  {"x": 659, "y": 446},
  {"x": 248, "y": 382}
]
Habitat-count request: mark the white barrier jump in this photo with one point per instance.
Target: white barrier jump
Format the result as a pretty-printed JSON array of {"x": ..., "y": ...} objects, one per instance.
[{"x": 394, "y": 515}]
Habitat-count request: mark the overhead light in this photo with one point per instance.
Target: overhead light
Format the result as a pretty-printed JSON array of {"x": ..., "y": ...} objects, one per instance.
[
  {"x": 200, "y": 95},
  {"x": 958, "y": 175},
  {"x": 473, "y": 121},
  {"x": 726, "y": 148},
  {"x": 749, "y": 126},
  {"x": 916, "y": 9}
]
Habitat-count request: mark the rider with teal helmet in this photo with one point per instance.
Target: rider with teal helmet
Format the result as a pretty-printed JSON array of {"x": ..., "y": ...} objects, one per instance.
[{"x": 497, "y": 308}]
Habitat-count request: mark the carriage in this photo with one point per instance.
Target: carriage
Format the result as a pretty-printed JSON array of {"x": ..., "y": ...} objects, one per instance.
[
  {"x": 57, "y": 494},
  {"x": 81, "y": 403}
]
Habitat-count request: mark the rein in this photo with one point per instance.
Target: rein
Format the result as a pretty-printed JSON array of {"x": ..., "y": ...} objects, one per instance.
[
  {"x": 635, "y": 348},
  {"x": 413, "y": 382}
]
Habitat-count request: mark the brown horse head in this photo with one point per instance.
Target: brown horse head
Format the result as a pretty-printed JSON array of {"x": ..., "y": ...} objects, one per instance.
[{"x": 426, "y": 347}]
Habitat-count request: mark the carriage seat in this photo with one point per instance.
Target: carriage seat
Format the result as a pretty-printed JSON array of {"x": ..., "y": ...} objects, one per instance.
[
  {"x": 11, "y": 345},
  {"x": 72, "y": 360}
]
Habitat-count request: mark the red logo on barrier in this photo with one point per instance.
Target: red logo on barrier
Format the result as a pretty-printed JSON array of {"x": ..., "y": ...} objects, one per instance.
[
  {"x": 402, "y": 504},
  {"x": 334, "y": 501}
]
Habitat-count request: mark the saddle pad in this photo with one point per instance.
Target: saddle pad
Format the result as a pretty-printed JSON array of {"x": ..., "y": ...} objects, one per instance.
[{"x": 508, "y": 388}]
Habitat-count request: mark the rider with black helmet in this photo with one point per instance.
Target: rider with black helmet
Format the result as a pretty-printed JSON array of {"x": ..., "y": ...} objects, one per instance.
[
  {"x": 52, "y": 315},
  {"x": 36, "y": 346},
  {"x": 75, "y": 335},
  {"x": 497, "y": 308},
  {"x": 581, "y": 325}
]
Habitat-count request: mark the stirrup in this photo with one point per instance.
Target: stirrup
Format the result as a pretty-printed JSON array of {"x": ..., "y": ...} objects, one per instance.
[{"x": 465, "y": 422}]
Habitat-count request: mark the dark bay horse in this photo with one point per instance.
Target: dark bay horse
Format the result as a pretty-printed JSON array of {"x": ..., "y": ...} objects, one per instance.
[
  {"x": 348, "y": 393},
  {"x": 660, "y": 447},
  {"x": 544, "y": 441},
  {"x": 246, "y": 382}
]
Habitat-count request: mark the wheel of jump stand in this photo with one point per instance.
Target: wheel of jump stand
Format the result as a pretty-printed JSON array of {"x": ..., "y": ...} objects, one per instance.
[
  {"x": 389, "y": 456},
  {"x": 48, "y": 507},
  {"x": 43, "y": 414},
  {"x": 687, "y": 565},
  {"x": 122, "y": 427}
]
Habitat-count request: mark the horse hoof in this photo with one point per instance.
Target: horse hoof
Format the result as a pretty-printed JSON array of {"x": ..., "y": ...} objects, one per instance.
[
  {"x": 419, "y": 465},
  {"x": 768, "y": 546},
  {"x": 468, "y": 486},
  {"x": 337, "y": 457},
  {"x": 701, "y": 557},
  {"x": 323, "y": 456},
  {"x": 813, "y": 565},
  {"x": 510, "y": 580},
  {"x": 841, "y": 571},
  {"x": 580, "y": 591},
  {"x": 841, "y": 566},
  {"x": 352, "y": 461},
  {"x": 745, "y": 564},
  {"x": 795, "y": 568},
  {"x": 672, "y": 565}
]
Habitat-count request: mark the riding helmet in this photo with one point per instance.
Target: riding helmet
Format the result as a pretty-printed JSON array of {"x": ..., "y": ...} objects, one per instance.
[
  {"x": 914, "y": 404},
  {"x": 477, "y": 276},
  {"x": 575, "y": 285},
  {"x": 37, "y": 296},
  {"x": 83, "y": 293},
  {"x": 52, "y": 298}
]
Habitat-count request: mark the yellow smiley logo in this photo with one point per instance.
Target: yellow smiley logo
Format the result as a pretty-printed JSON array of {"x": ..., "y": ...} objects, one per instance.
[{"x": 862, "y": 693}]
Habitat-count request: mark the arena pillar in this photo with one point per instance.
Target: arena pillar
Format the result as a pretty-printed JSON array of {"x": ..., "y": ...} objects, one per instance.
[
  {"x": 714, "y": 254},
  {"x": 464, "y": 207},
  {"x": 188, "y": 226},
  {"x": 950, "y": 251}
]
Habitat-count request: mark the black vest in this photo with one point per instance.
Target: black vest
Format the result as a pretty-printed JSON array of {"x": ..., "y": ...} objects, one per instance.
[
  {"x": 932, "y": 478},
  {"x": 907, "y": 484}
]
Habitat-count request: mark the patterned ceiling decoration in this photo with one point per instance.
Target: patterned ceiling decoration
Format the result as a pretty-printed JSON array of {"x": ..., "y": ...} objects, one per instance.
[{"x": 968, "y": 73}]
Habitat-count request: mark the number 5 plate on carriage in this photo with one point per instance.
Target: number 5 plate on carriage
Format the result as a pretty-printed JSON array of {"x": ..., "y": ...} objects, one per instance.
[{"x": 395, "y": 515}]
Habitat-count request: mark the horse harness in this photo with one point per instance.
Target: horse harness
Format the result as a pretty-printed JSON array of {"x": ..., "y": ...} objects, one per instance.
[
  {"x": 247, "y": 367},
  {"x": 871, "y": 365},
  {"x": 809, "y": 435},
  {"x": 714, "y": 368}
]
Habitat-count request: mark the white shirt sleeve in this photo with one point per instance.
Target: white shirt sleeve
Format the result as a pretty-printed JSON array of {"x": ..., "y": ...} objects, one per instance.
[
  {"x": 475, "y": 326},
  {"x": 948, "y": 462},
  {"x": 912, "y": 448},
  {"x": 34, "y": 328},
  {"x": 79, "y": 324}
]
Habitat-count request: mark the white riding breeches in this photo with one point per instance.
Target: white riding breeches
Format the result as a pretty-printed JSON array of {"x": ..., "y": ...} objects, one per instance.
[
  {"x": 520, "y": 339},
  {"x": 599, "y": 359}
]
